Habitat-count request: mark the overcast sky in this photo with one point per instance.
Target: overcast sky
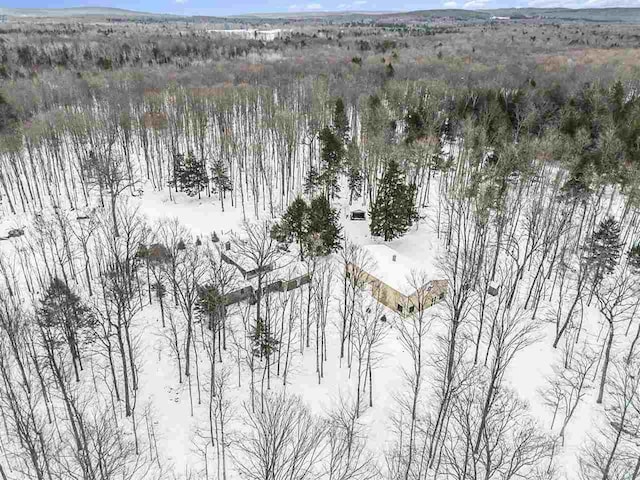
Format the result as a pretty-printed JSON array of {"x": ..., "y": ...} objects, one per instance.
[{"x": 226, "y": 7}]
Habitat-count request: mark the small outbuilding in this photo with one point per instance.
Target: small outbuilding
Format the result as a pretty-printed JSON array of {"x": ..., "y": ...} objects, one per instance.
[{"x": 358, "y": 215}]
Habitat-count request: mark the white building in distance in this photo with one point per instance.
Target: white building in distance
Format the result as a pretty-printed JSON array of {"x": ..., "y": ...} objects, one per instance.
[{"x": 264, "y": 35}]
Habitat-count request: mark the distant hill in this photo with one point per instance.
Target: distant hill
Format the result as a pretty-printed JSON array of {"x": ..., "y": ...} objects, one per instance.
[
  {"x": 602, "y": 15},
  {"x": 456, "y": 14},
  {"x": 73, "y": 12},
  {"x": 619, "y": 15},
  {"x": 359, "y": 15},
  {"x": 563, "y": 15}
]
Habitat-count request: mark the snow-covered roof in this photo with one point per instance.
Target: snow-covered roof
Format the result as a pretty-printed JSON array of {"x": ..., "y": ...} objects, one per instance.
[
  {"x": 391, "y": 268},
  {"x": 285, "y": 264}
]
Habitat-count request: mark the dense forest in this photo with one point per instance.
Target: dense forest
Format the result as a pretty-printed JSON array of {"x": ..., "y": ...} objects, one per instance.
[{"x": 178, "y": 296}]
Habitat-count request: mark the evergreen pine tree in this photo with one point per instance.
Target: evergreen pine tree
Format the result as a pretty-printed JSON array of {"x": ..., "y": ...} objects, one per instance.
[
  {"x": 340, "y": 121},
  {"x": 394, "y": 210},
  {"x": 264, "y": 344},
  {"x": 616, "y": 98},
  {"x": 415, "y": 126},
  {"x": 211, "y": 305},
  {"x": 66, "y": 317},
  {"x": 439, "y": 160},
  {"x": 324, "y": 230},
  {"x": 331, "y": 154},
  {"x": 354, "y": 173},
  {"x": 191, "y": 175},
  {"x": 603, "y": 249},
  {"x": 279, "y": 234},
  {"x": 634, "y": 257},
  {"x": 221, "y": 180},
  {"x": 575, "y": 189},
  {"x": 160, "y": 290},
  {"x": 294, "y": 224},
  {"x": 311, "y": 181},
  {"x": 178, "y": 167}
]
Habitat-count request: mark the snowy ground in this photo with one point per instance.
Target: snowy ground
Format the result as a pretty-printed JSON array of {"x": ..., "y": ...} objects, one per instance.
[
  {"x": 527, "y": 374},
  {"x": 169, "y": 402}
]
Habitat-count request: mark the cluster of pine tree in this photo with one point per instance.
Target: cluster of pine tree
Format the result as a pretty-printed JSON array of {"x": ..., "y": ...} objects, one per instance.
[
  {"x": 313, "y": 226},
  {"x": 64, "y": 318},
  {"x": 189, "y": 174},
  {"x": 337, "y": 154},
  {"x": 393, "y": 211}
]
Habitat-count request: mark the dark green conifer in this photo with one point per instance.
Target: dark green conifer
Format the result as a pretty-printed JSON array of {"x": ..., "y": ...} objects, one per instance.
[{"x": 394, "y": 210}]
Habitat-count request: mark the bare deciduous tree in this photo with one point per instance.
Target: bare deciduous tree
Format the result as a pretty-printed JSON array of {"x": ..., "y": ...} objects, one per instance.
[
  {"x": 616, "y": 299},
  {"x": 348, "y": 458},
  {"x": 613, "y": 453},
  {"x": 283, "y": 441}
]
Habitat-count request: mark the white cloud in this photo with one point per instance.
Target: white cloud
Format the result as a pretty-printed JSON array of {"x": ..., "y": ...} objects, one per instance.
[
  {"x": 303, "y": 8},
  {"x": 352, "y": 6},
  {"x": 450, "y": 4},
  {"x": 476, "y": 4},
  {"x": 181, "y": 1}
]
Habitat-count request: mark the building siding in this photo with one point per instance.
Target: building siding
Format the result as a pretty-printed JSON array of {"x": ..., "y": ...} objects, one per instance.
[{"x": 421, "y": 299}]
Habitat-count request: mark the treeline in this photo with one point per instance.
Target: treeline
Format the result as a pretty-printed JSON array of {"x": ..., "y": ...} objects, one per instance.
[
  {"x": 86, "y": 49},
  {"x": 267, "y": 141},
  {"x": 467, "y": 51}
]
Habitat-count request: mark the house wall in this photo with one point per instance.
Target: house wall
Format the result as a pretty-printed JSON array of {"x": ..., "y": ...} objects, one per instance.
[
  {"x": 382, "y": 292},
  {"x": 256, "y": 271},
  {"x": 239, "y": 295},
  {"x": 295, "y": 282},
  {"x": 391, "y": 298},
  {"x": 230, "y": 261},
  {"x": 280, "y": 285}
]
